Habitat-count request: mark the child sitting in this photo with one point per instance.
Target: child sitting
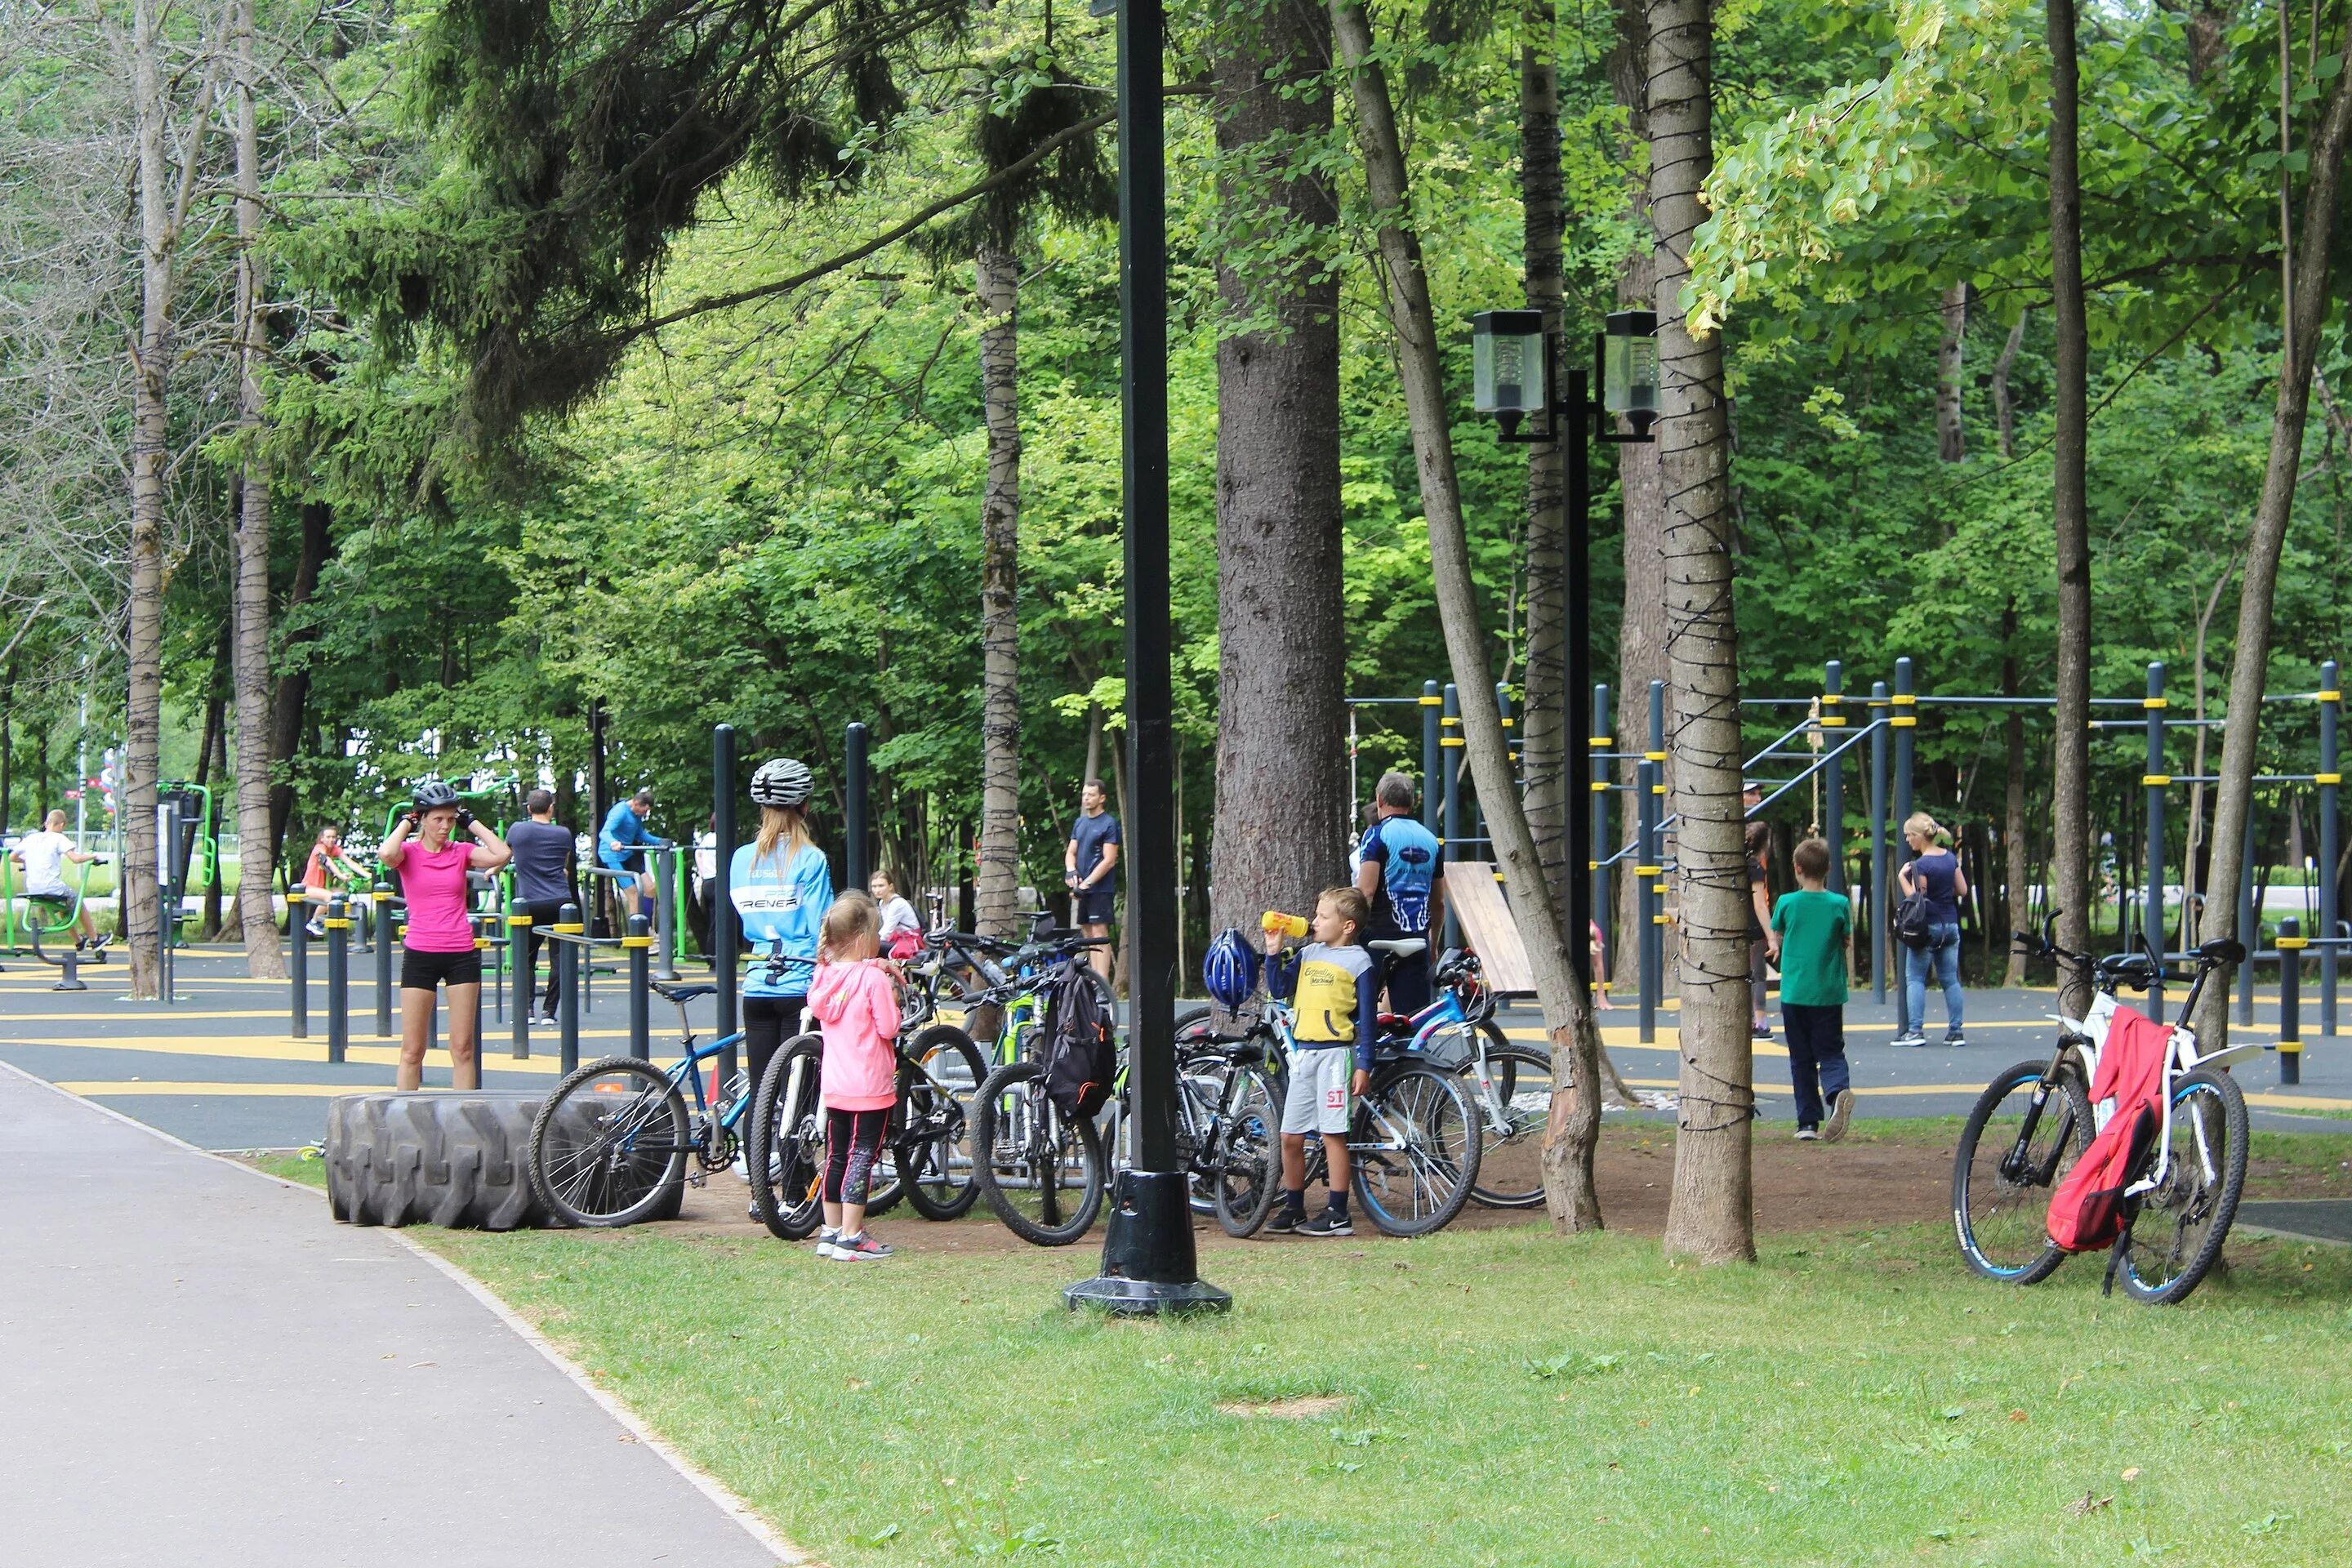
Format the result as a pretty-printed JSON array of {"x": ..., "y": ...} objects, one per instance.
[
  {"x": 856, "y": 1005},
  {"x": 1808, "y": 936},
  {"x": 1335, "y": 989}
]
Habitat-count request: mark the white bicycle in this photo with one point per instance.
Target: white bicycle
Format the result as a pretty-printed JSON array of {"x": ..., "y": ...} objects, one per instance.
[{"x": 2034, "y": 1120}]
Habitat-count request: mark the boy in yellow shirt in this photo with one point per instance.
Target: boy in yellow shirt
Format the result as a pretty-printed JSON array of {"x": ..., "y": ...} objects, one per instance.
[{"x": 1334, "y": 988}]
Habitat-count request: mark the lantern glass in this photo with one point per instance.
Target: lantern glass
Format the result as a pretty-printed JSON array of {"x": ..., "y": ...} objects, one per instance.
[
  {"x": 1506, "y": 361},
  {"x": 1629, "y": 363}
]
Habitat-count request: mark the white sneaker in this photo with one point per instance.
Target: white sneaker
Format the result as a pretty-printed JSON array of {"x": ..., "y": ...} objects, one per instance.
[
  {"x": 1841, "y": 1112},
  {"x": 1807, "y": 1135},
  {"x": 825, "y": 1242}
]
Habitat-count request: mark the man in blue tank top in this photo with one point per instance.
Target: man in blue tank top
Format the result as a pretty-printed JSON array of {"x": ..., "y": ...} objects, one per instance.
[{"x": 1397, "y": 874}]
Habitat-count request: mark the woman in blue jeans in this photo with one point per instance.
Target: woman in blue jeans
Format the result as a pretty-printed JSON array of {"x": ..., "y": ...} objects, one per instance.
[{"x": 1938, "y": 870}]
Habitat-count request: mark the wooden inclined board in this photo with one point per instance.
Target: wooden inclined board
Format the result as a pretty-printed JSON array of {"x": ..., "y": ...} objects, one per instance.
[{"x": 1475, "y": 897}]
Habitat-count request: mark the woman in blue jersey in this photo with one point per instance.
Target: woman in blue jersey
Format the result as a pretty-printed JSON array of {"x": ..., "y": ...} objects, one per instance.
[{"x": 782, "y": 886}]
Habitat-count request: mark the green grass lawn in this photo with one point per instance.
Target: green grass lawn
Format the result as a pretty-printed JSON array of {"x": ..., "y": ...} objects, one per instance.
[{"x": 1497, "y": 1397}]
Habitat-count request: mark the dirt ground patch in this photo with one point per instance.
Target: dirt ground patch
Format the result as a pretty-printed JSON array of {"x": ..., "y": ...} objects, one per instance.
[{"x": 1303, "y": 1408}]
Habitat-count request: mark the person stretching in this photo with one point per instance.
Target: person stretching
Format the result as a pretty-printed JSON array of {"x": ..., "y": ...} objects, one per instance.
[
  {"x": 621, "y": 845},
  {"x": 857, "y": 1004},
  {"x": 439, "y": 947}
]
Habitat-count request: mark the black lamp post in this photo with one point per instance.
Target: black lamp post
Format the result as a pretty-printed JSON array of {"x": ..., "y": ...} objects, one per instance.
[
  {"x": 1148, "y": 1263},
  {"x": 1512, "y": 359}
]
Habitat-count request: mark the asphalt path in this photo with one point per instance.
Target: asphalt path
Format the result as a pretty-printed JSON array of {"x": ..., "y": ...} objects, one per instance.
[
  {"x": 203, "y": 1369},
  {"x": 220, "y": 1068}
]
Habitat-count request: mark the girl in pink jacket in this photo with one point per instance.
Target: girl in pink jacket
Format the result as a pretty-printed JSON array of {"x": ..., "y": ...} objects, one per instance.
[{"x": 856, "y": 1004}]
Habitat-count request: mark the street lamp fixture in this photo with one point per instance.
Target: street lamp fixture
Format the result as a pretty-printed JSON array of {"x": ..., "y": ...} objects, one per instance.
[{"x": 1511, "y": 360}]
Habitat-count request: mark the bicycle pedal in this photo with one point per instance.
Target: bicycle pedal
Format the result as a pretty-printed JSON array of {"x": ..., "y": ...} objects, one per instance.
[{"x": 697, "y": 1178}]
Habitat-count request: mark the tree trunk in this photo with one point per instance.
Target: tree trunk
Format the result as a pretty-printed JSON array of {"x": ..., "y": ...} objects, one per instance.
[
  {"x": 2004, "y": 408},
  {"x": 1951, "y": 437},
  {"x": 997, "y": 880},
  {"x": 1642, "y": 631},
  {"x": 2017, "y": 908},
  {"x": 140, "y": 908},
  {"x": 1568, "y": 1017},
  {"x": 2266, "y": 539},
  {"x": 256, "y": 845},
  {"x": 2192, "y": 876},
  {"x": 2070, "y": 850},
  {"x": 1280, "y": 834},
  {"x": 216, "y": 712},
  {"x": 1544, "y": 739},
  {"x": 1712, "y": 1214},
  {"x": 287, "y": 709}
]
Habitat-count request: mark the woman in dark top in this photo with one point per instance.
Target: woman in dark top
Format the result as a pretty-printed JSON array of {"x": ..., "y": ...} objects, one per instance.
[
  {"x": 1760, "y": 921},
  {"x": 1938, "y": 870}
]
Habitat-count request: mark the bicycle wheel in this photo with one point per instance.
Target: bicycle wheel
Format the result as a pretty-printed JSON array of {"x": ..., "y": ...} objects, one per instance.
[
  {"x": 1248, "y": 1159},
  {"x": 1414, "y": 1150},
  {"x": 1513, "y": 1100},
  {"x": 1040, "y": 1172},
  {"x": 609, "y": 1146},
  {"x": 2181, "y": 1223},
  {"x": 937, "y": 1082},
  {"x": 2013, "y": 1152},
  {"x": 786, "y": 1152}
]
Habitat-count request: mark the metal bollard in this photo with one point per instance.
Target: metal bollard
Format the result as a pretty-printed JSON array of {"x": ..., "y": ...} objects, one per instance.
[
  {"x": 518, "y": 949},
  {"x": 1648, "y": 878},
  {"x": 2291, "y": 943},
  {"x": 338, "y": 980},
  {"x": 481, "y": 948},
  {"x": 380, "y": 896},
  {"x": 665, "y": 914},
  {"x": 567, "y": 973},
  {"x": 639, "y": 947},
  {"x": 298, "y": 979}
]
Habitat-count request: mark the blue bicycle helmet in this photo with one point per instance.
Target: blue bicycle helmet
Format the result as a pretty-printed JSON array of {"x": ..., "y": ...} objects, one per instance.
[{"x": 1230, "y": 968}]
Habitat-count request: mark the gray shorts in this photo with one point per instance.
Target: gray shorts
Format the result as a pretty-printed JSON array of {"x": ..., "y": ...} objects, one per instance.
[{"x": 1317, "y": 1101}]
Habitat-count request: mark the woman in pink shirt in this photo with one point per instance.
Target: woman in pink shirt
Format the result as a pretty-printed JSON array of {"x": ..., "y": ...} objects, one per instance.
[
  {"x": 856, "y": 1003},
  {"x": 439, "y": 947}
]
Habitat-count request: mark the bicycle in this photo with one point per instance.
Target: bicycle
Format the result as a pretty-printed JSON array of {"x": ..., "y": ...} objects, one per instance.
[
  {"x": 610, "y": 1146},
  {"x": 1040, "y": 1170},
  {"x": 1414, "y": 1161},
  {"x": 2189, "y": 1180},
  {"x": 1228, "y": 1111},
  {"x": 1512, "y": 1082}
]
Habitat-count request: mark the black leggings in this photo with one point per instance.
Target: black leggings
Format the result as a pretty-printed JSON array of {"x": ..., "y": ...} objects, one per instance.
[
  {"x": 852, "y": 1139},
  {"x": 768, "y": 1023}
]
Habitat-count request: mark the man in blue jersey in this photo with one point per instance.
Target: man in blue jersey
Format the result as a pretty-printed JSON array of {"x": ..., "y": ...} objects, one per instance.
[
  {"x": 621, "y": 844},
  {"x": 1397, "y": 873}
]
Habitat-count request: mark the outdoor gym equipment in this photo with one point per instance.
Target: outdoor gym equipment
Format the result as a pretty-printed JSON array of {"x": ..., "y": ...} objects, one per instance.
[{"x": 32, "y": 926}]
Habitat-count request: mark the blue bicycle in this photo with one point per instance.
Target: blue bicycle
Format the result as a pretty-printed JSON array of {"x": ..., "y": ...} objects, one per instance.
[{"x": 612, "y": 1144}]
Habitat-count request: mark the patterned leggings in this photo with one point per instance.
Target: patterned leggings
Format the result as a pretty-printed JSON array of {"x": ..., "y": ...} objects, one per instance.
[{"x": 852, "y": 1139}]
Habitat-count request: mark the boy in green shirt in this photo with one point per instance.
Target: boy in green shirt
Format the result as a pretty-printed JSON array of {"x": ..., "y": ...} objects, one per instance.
[{"x": 1808, "y": 936}]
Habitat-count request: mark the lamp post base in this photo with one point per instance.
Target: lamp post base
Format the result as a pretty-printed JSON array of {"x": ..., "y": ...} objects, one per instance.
[{"x": 1149, "y": 1265}]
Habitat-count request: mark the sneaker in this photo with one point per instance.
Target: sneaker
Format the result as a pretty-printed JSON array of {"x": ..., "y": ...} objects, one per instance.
[
  {"x": 315, "y": 930},
  {"x": 1911, "y": 1038},
  {"x": 1841, "y": 1112},
  {"x": 826, "y": 1239},
  {"x": 1326, "y": 1224},
  {"x": 860, "y": 1248},
  {"x": 1956, "y": 1038},
  {"x": 1285, "y": 1222},
  {"x": 1808, "y": 1135},
  {"x": 1760, "y": 1031}
]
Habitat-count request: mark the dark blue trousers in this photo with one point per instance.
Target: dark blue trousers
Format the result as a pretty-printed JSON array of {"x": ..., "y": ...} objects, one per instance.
[{"x": 1816, "y": 1039}]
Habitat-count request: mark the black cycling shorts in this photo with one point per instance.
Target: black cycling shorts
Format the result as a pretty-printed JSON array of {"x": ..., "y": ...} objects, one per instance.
[
  {"x": 1092, "y": 906},
  {"x": 423, "y": 970}
]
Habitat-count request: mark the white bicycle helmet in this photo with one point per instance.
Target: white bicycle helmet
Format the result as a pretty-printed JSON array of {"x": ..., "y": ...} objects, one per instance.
[{"x": 782, "y": 780}]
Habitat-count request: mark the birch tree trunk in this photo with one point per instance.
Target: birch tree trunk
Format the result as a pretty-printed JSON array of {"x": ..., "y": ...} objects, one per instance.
[
  {"x": 2266, "y": 539},
  {"x": 997, "y": 877},
  {"x": 1951, "y": 435},
  {"x": 1712, "y": 1213},
  {"x": 256, "y": 849},
  {"x": 1567, "y": 1016},
  {"x": 1543, "y": 722},
  {"x": 1280, "y": 831},
  {"x": 2070, "y": 850}
]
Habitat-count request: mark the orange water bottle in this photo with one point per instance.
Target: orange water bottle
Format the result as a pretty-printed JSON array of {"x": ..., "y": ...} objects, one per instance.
[{"x": 1274, "y": 922}]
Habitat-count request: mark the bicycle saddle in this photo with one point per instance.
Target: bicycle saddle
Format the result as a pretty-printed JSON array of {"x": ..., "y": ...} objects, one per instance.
[
  {"x": 682, "y": 994},
  {"x": 1403, "y": 947},
  {"x": 2223, "y": 950}
]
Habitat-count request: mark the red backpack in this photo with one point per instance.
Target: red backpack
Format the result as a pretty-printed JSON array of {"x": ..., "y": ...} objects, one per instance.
[{"x": 2087, "y": 1212}]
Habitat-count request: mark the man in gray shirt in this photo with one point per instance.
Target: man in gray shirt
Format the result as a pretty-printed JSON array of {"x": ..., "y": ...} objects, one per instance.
[{"x": 544, "y": 856}]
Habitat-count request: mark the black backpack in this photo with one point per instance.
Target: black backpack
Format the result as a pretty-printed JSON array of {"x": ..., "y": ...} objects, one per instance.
[
  {"x": 1911, "y": 921},
  {"x": 1080, "y": 1056}
]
